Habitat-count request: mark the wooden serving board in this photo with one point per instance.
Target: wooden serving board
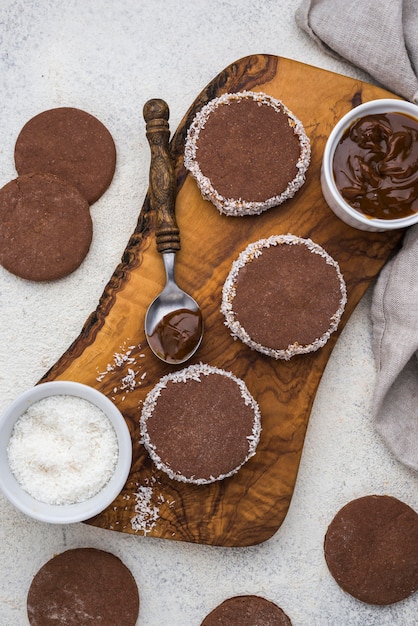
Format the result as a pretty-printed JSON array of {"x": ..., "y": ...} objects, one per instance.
[{"x": 111, "y": 353}]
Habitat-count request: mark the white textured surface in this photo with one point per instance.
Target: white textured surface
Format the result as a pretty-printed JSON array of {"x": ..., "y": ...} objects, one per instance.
[{"x": 109, "y": 58}]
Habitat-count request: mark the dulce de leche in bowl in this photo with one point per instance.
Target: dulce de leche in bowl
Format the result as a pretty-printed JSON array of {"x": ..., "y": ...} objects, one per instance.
[{"x": 369, "y": 174}]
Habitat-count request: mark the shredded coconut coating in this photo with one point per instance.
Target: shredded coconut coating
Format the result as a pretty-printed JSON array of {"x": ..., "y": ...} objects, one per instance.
[
  {"x": 238, "y": 206},
  {"x": 195, "y": 372},
  {"x": 63, "y": 450},
  {"x": 254, "y": 250}
]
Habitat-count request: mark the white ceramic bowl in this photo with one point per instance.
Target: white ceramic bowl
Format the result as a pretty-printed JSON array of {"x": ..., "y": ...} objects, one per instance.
[
  {"x": 65, "y": 513},
  {"x": 329, "y": 189}
]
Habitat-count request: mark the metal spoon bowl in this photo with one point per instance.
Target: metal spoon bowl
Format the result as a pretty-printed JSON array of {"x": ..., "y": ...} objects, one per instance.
[{"x": 173, "y": 321}]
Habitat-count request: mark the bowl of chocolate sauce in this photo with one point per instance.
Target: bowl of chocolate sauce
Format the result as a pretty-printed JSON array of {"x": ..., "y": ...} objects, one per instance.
[{"x": 369, "y": 174}]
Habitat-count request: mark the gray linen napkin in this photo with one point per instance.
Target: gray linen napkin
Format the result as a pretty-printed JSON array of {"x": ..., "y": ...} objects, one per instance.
[
  {"x": 381, "y": 37},
  {"x": 395, "y": 344}
]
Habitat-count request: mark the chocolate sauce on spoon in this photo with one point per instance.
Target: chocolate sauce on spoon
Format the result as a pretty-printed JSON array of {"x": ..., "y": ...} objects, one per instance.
[{"x": 176, "y": 335}]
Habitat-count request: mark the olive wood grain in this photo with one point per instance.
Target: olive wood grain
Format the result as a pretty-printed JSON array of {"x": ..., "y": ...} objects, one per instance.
[
  {"x": 112, "y": 355},
  {"x": 162, "y": 183}
]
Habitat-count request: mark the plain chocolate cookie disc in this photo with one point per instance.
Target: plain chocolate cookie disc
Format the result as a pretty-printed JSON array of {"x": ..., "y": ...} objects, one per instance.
[
  {"x": 247, "y": 611},
  {"x": 45, "y": 227},
  {"x": 371, "y": 549},
  {"x": 71, "y": 144},
  {"x": 83, "y": 587}
]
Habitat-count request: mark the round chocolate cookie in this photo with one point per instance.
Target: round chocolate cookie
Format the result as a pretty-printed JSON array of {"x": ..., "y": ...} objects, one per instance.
[
  {"x": 283, "y": 296},
  {"x": 247, "y": 611},
  {"x": 82, "y": 587},
  {"x": 247, "y": 152},
  {"x": 45, "y": 227},
  {"x": 71, "y": 144},
  {"x": 200, "y": 424},
  {"x": 371, "y": 549}
]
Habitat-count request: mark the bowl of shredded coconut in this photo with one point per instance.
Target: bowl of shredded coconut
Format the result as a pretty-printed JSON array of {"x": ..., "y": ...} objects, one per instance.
[{"x": 65, "y": 452}]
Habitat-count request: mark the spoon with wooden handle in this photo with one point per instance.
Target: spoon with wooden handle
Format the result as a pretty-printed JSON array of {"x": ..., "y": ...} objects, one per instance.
[{"x": 173, "y": 321}]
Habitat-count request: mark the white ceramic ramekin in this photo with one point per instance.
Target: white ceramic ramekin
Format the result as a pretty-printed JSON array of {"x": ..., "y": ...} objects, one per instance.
[
  {"x": 329, "y": 189},
  {"x": 65, "y": 513}
]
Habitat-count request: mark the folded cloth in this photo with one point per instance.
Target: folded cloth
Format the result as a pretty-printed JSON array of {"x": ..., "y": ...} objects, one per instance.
[
  {"x": 395, "y": 344},
  {"x": 380, "y": 37}
]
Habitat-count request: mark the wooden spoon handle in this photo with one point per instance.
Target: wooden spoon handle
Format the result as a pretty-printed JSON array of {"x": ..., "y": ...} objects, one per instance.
[{"x": 162, "y": 182}]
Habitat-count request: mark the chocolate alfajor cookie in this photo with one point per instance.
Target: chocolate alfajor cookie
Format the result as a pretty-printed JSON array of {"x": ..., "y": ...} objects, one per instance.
[
  {"x": 283, "y": 296},
  {"x": 247, "y": 151},
  {"x": 200, "y": 424}
]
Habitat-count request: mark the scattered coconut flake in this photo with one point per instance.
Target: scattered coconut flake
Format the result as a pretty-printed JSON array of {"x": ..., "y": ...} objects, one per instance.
[
  {"x": 132, "y": 373},
  {"x": 147, "y": 513}
]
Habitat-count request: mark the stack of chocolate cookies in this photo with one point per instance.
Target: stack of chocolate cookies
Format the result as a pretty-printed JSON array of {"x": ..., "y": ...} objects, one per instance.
[{"x": 65, "y": 159}]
